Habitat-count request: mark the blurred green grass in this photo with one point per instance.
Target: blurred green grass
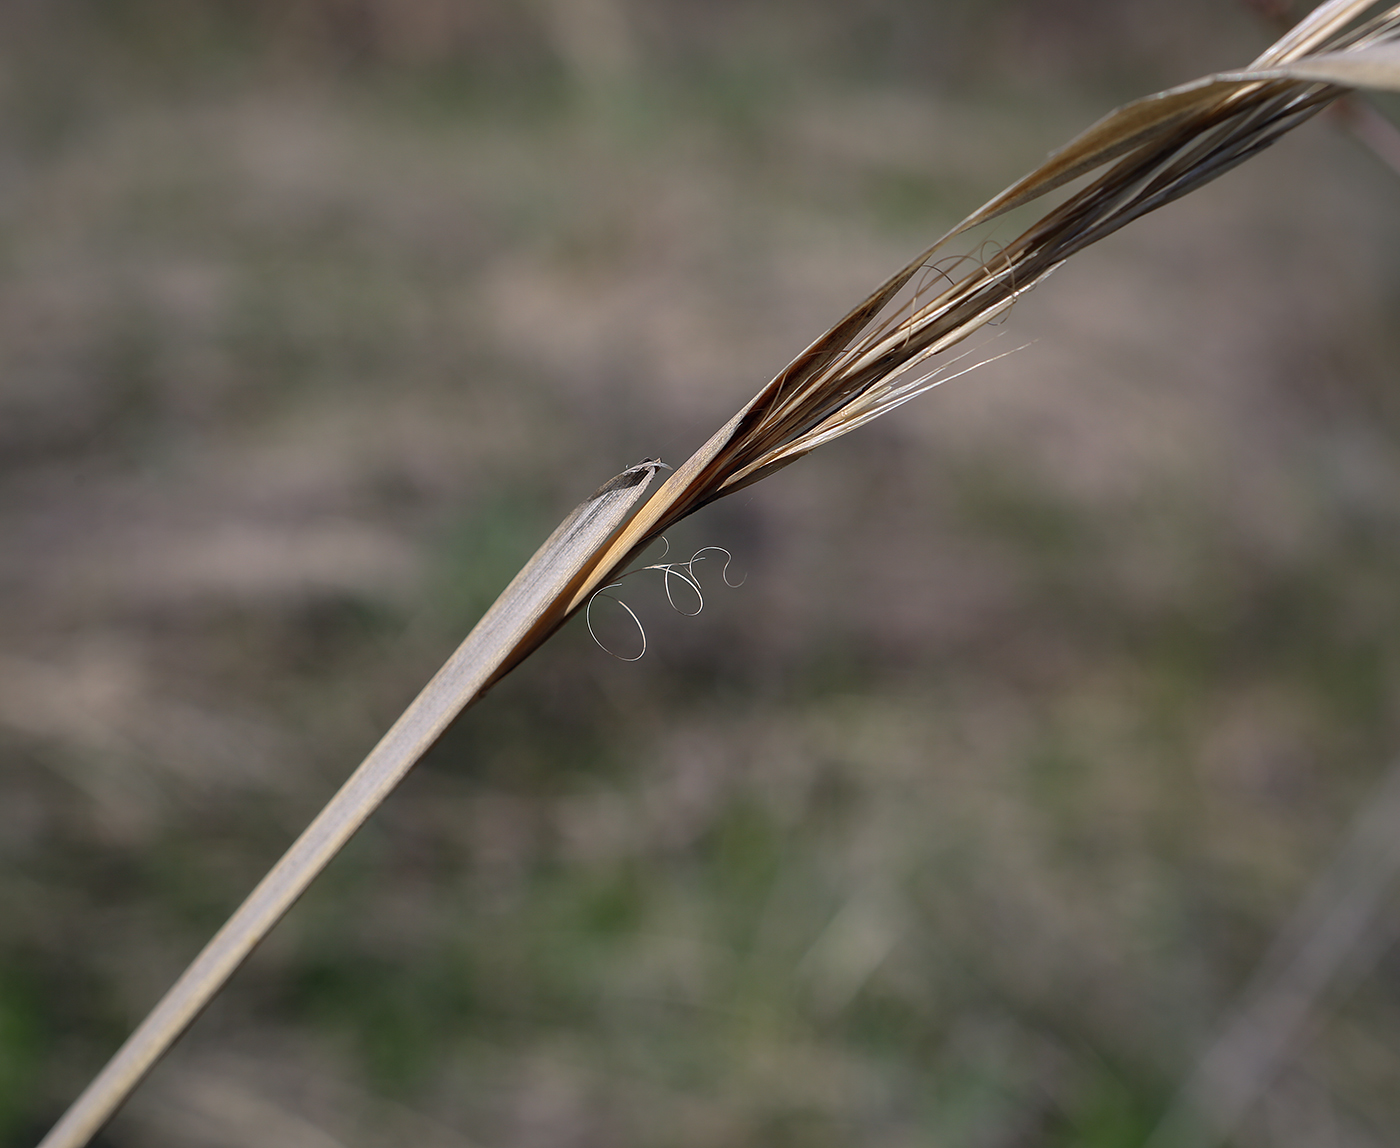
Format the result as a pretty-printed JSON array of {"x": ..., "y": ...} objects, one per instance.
[{"x": 963, "y": 821}]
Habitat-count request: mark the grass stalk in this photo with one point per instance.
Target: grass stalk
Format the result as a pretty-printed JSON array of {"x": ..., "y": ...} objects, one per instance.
[{"x": 1153, "y": 151}]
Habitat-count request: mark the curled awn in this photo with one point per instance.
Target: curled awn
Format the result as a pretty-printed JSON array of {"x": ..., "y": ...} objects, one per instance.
[{"x": 685, "y": 571}]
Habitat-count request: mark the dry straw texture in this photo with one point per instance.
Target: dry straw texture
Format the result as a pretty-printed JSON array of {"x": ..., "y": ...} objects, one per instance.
[{"x": 877, "y": 357}]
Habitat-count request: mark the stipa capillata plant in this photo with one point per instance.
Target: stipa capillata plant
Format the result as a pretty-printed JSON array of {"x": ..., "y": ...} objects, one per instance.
[{"x": 1147, "y": 153}]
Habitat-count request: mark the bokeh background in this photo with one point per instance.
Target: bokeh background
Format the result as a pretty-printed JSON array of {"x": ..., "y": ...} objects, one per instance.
[{"x": 974, "y": 818}]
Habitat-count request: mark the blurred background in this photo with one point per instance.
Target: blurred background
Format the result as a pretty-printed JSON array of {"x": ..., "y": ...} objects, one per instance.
[{"x": 1040, "y": 761}]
